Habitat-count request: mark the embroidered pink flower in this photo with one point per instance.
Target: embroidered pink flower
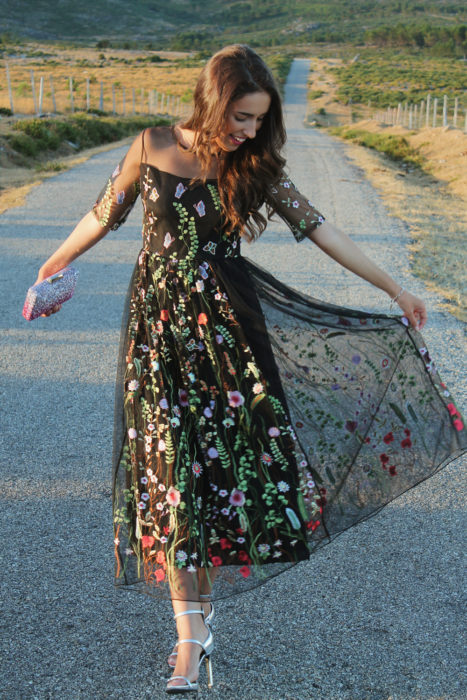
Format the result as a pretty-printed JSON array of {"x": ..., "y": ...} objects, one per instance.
[
  {"x": 164, "y": 314},
  {"x": 173, "y": 496},
  {"x": 458, "y": 424},
  {"x": 237, "y": 498},
  {"x": 452, "y": 409},
  {"x": 235, "y": 398},
  {"x": 245, "y": 571},
  {"x": 216, "y": 561},
  {"x": 183, "y": 397},
  {"x": 202, "y": 319},
  {"x": 147, "y": 541},
  {"x": 273, "y": 432}
]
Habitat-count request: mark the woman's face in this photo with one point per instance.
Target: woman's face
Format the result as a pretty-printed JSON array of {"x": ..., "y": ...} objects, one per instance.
[{"x": 244, "y": 118}]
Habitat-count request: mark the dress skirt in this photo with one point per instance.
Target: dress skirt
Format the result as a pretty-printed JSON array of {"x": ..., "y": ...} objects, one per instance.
[{"x": 253, "y": 424}]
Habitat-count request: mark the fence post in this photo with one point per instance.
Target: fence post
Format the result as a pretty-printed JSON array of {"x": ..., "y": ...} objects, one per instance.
[
  {"x": 133, "y": 95},
  {"x": 435, "y": 109},
  {"x": 114, "y": 106},
  {"x": 123, "y": 101},
  {"x": 465, "y": 123},
  {"x": 142, "y": 101},
  {"x": 404, "y": 118},
  {"x": 10, "y": 93},
  {"x": 41, "y": 94},
  {"x": 88, "y": 95},
  {"x": 399, "y": 113},
  {"x": 410, "y": 116},
  {"x": 456, "y": 107},
  {"x": 72, "y": 104},
  {"x": 428, "y": 100},
  {"x": 101, "y": 98},
  {"x": 422, "y": 109},
  {"x": 52, "y": 94},
  {"x": 445, "y": 110},
  {"x": 33, "y": 87}
]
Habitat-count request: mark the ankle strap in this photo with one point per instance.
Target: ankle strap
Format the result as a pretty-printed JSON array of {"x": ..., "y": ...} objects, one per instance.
[{"x": 188, "y": 612}]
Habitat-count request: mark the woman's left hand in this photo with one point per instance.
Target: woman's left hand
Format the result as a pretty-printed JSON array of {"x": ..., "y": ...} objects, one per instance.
[{"x": 414, "y": 309}]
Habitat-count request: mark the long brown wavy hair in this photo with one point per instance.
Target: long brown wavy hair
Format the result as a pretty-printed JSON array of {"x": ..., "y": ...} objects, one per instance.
[{"x": 246, "y": 174}]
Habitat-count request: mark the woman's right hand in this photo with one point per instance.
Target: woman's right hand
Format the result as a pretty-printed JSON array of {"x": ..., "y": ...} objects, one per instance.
[{"x": 44, "y": 272}]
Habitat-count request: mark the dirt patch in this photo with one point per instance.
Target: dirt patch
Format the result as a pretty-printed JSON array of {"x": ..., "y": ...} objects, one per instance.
[{"x": 436, "y": 217}]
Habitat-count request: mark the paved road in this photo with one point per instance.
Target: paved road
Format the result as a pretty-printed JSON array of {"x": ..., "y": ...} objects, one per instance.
[{"x": 375, "y": 615}]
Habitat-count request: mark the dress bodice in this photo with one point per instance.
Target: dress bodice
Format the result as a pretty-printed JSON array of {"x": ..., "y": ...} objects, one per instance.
[{"x": 183, "y": 220}]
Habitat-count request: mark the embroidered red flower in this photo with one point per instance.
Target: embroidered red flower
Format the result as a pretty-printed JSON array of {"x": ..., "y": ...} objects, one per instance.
[
  {"x": 160, "y": 574},
  {"x": 406, "y": 431},
  {"x": 243, "y": 556},
  {"x": 216, "y": 561},
  {"x": 389, "y": 437},
  {"x": 147, "y": 541},
  {"x": 245, "y": 571},
  {"x": 224, "y": 543},
  {"x": 452, "y": 409},
  {"x": 164, "y": 315},
  {"x": 384, "y": 458},
  {"x": 160, "y": 557},
  {"x": 202, "y": 318},
  {"x": 392, "y": 470},
  {"x": 458, "y": 424},
  {"x": 406, "y": 442}
]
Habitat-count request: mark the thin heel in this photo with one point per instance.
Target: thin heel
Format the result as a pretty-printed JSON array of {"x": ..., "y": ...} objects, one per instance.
[{"x": 209, "y": 671}]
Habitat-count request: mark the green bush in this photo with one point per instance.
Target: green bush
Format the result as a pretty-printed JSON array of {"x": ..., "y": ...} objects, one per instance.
[{"x": 396, "y": 147}]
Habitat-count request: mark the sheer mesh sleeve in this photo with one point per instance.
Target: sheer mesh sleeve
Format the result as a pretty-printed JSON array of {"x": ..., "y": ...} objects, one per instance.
[
  {"x": 119, "y": 194},
  {"x": 294, "y": 208}
]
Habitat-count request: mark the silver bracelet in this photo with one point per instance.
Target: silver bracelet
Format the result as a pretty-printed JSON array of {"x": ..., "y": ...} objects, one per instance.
[{"x": 398, "y": 295}]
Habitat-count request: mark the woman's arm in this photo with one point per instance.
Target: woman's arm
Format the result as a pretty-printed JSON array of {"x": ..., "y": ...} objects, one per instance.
[
  {"x": 86, "y": 234},
  {"x": 343, "y": 250},
  {"x": 111, "y": 209}
]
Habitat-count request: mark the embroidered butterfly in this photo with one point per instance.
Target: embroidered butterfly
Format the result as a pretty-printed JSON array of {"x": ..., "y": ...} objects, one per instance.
[
  {"x": 210, "y": 247},
  {"x": 121, "y": 197},
  {"x": 200, "y": 208},
  {"x": 180, "y": 190},
  {"x": 168, "y": 240},
  {"x": 116, "y": 171}
]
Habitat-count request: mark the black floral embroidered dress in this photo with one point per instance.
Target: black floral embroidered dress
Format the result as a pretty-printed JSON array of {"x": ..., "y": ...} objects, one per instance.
[{"x": 253, "y": 423}]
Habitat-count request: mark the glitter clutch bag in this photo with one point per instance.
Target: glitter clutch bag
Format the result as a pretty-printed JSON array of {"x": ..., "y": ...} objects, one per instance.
[{"x": 53, "y": 290}]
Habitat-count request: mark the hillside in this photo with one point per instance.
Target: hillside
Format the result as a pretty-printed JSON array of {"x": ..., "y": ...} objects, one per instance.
[{"x": 187, "y": 24}]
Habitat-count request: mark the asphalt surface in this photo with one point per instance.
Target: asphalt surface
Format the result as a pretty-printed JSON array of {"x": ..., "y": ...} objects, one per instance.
[{"x": 376, "y": 615}]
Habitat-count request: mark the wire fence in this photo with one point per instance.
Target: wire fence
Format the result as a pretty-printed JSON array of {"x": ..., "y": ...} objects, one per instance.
[
  {"x": 66, "y": 95},
  {"x": 432, "y": 112}
]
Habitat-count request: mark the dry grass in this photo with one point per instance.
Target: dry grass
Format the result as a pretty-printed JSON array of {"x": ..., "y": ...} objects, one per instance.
[{"x": 111, "y": 66}]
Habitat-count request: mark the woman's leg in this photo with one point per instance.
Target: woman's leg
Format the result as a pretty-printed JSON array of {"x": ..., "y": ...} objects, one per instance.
[{"x": 185, "y": 596}]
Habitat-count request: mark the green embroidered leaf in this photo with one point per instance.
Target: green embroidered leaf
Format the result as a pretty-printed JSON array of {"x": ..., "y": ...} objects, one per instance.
[
  {"x": 292, "y": 516},
  {"x": 398, "y": 412},
  {"x": 330, "y": 475},
  {"x": 412, "y": 412}
]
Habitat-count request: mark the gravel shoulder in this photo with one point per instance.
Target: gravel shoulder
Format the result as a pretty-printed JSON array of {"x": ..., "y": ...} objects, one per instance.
[{"x": 376, "y": 615}]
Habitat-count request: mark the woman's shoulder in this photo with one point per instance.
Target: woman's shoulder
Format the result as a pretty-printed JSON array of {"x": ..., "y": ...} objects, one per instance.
[{"x": 158, "y": 136}]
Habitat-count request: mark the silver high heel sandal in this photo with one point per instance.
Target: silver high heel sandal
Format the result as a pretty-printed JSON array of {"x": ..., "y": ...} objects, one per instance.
[
  {"x": 208, "y": 621},
  {"x": 206, "y": 646}
]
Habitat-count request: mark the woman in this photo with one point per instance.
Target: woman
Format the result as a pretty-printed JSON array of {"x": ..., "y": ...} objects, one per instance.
[{"x": 253, "y": 423}]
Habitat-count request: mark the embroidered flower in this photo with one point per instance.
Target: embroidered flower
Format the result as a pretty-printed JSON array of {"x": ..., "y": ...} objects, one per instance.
[
  {"x": 388, "y": 438},
  {"x": 121, "y": 197},
  {"x": 133, "y": 385},
  {"x": 266, "y": 458},
  {"x": 216, "y": 561},
  {"x": 181, "y": 555},
  {"x": 164, "y": 315},
  {"x": 273, "y": 432},
  {"x": 202, "y": 319},
  {"x": 147, "y": 541},
  {"x": 197, "y": 469},
  {"x": 237, "y": 498},
  {"x": 235, "y": 398},
  {"x": 283, "y": 486},
  {"x": 160, "y": 575},
  {"x": 132, "y": 434},
  {"x": 183, "y": 397},
  {"x": 161, "y": 445},
  {"x": 173, "y": 496},
  {"x": 244, "y": 571},
  {"x": 263, "y": 548}
]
